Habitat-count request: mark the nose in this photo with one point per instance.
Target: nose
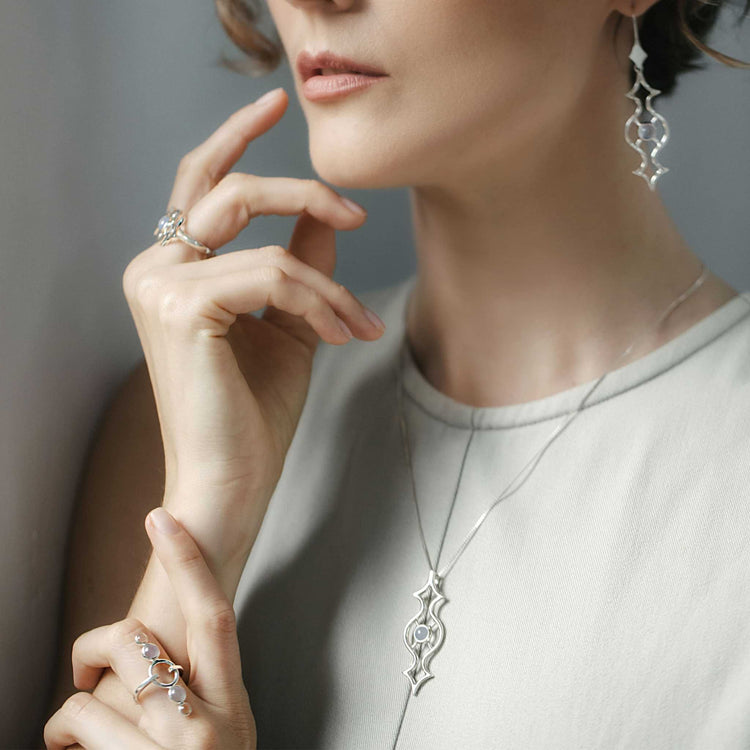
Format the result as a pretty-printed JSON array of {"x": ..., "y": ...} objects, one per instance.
[{"x": 324, "y": 5}]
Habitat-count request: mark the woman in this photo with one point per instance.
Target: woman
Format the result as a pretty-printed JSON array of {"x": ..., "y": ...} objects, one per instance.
[{"x": 602, "y": 604}]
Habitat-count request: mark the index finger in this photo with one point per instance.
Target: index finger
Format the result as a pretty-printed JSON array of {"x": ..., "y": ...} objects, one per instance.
[{"x": 203, "y": 167}]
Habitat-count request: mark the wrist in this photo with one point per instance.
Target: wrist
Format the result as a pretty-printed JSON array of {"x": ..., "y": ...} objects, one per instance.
[
  {"x": 223, "y": 524},
  {"x": 198, "y": 485}
]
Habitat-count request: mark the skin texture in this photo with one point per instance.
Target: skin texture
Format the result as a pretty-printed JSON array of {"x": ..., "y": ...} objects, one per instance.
[{"x": 540, "y": 255}]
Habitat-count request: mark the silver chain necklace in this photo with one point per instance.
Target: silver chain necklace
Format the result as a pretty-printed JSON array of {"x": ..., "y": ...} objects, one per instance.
[{"x": 425, "y": 632}]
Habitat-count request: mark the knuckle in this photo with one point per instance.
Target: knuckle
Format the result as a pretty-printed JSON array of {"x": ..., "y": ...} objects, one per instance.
[
  {"x": 233, "y": 184},
  {"x": 76, "y": 704},
  {"x": 319, "y": 190},
  {"x": 272, "y": 274},
  {"x": 130, "y": 278},
  {"x": 187, "y": 163},
  {"x": 276, "y": 252},
  {"x": 234, "y": 119},
  {"x": 124, "y": 630},
  {"x": 127, "y": 280},
  {"x": 222, "y": 620},
  {"x": 201, "y": 313},
  {"x": 183, "y": 306},
  {"x": 171, "y": 307},
  {"x": 341, "y": 293},
  {"x": 146, "y": 287},
  {"x": 232, "y": 179},
  {"x": 76, "y": 647},
  {"x": 317, "y": 300},
  {"x": 313, "y": 188}
]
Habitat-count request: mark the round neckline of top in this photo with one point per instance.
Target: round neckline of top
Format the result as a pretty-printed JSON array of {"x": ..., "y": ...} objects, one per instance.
[{"x": 458, "y": 414}]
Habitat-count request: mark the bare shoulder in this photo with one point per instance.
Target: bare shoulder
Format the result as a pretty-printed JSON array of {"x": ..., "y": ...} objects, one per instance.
[{"x": 107, "y": 550}]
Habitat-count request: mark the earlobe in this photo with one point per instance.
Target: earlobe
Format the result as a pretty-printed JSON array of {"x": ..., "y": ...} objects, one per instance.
[{"x": 633, "y": 7}]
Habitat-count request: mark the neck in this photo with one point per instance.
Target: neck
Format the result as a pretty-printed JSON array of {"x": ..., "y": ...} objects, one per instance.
[{"x": 531, "y": 285}]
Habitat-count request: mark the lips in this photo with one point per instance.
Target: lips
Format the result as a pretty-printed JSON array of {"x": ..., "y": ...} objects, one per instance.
[{"x": 312, "y": 64}]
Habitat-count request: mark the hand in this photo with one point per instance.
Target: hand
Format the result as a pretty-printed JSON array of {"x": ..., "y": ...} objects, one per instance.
[
  {"x": 230, "y": 387},
  {"x": 221, "y": 714}
]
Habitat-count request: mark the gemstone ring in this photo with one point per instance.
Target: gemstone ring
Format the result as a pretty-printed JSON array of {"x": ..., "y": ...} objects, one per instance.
[
  {"x": 169, "y": 229},
  {"x": 176, "y": 692}
]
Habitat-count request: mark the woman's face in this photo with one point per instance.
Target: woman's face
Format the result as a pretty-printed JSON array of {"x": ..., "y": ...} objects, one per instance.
[{"x": 470, "y": 82}]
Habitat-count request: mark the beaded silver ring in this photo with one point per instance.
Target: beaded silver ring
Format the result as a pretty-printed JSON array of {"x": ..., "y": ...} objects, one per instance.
[{"x": 177, "y": 693}]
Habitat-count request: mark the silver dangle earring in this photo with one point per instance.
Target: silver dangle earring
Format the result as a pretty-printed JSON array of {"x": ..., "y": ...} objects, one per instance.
[{"x": 646, "y": 131}]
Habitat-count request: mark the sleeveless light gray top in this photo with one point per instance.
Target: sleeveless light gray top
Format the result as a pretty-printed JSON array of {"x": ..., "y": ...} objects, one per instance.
[{"x": 605, "y": 604}]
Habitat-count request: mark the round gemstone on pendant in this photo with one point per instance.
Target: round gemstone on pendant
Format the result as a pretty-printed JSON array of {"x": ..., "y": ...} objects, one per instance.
[
  {"x": 421, "y": 633},
  {"x": 646, "y": 130},
  {"x": 185, "y": 709},
  {"x": 150, "y": 651}
]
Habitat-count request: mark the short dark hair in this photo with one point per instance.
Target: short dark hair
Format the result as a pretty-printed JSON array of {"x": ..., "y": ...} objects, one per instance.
[{"x": 672, "y": 32}]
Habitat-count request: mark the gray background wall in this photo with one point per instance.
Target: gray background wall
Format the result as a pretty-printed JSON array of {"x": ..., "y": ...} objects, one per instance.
[{"x": 98, "y": 102}]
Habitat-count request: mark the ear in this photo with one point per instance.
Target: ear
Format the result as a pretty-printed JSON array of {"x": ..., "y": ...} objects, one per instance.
[{"x": 633, "y": 7}]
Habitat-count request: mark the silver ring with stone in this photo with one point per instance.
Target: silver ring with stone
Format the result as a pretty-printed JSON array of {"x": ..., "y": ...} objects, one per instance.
[
  {"x": 169, "y": 229},
  {"x": 177, "y": 693}
]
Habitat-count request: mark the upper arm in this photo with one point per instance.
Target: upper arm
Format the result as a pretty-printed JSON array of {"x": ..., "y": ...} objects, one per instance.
[{"x": 107, "y": 548}]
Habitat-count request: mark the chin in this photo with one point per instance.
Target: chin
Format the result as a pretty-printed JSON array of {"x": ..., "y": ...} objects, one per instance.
[
  {"x": 359, "y": 165},
  {"x": 356, "y": 172}
]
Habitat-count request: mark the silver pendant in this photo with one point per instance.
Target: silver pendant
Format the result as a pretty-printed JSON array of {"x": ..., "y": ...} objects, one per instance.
[{"x": 425, "y": 632}]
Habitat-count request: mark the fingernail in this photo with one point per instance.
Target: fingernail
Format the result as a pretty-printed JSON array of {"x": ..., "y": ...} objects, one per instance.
[
  {"x": 374, "y": 319},
  {"x": 164, "y": 521},
  {"x": 353, "y": 206},
  {"x": 268, "y": 97},
  {"x": 345, "y": 328}
]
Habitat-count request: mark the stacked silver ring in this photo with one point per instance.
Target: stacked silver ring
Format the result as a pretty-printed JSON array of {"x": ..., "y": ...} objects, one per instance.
[
  {"x": 169, "y": 229},
  {"x": 176, "y": 692}
]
